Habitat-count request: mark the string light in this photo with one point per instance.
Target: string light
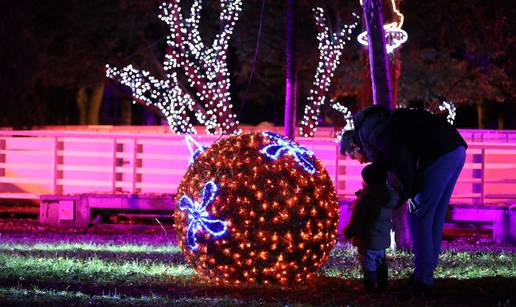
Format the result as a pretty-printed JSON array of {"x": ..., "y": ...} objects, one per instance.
[
  {"x": 281, "y": 220},
  {"x": 394, "y": 35},
  {"x": 330, "y": 49},
  {"x": 205, "y": 68},
  {"x": 167, "y": 96},
  {"x": 447, "y": 106},
  {"x": 348, "y": 117},
  {"x": 451, "y": 109}
]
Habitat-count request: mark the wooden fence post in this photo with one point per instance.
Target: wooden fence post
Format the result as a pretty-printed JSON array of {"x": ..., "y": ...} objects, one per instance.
[
  {"x": 479, "y": 174},
  {"x": 2, "y": 156},
  {"x": 134, "y": 166},
  {"x": 483, "y": 176},
  {"x": 113, "y": 171},
  {"x": 55, "y": 169}
]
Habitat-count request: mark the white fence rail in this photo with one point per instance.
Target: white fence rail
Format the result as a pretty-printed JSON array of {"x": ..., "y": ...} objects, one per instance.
[{"x": 33, "y": 163}]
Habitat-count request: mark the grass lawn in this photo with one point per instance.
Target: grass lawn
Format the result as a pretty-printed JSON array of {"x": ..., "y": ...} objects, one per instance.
[{"x": 148, "y": 269}]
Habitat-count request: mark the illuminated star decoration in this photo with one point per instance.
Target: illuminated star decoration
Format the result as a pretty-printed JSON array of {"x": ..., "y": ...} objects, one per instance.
[
  {"x": 282, "y": 146},
  {"x": 195, "y": 148},
  {"x": 394, "y": 35},
  {"x": 198, "y": 217}
]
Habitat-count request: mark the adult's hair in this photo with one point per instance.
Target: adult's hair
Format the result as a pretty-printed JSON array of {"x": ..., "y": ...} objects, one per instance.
[
  {"x": 347, "y": 141},
  {"x": 350, "y": 137}
]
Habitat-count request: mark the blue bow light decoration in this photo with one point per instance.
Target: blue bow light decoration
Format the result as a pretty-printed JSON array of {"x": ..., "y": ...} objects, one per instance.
[
  {"x": 196, "y": 153},
  {"x": 198, "y": 217},
  {"x": 195, "y": 149},
  {"x": 282, "y": 146}
]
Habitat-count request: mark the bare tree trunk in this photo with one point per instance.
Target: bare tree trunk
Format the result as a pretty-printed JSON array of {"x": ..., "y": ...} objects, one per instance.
[
  {"x": 501, "y": 117},
  {"x": 125, "y": 112},
  {"x": 395, "y": 75},
  {"x": 291, "y": 77},
  {"x": 82, "y": 104},
  {"x": 89, "y": 104},
  {"x": 481, "y": 110},
  {"x": 378, "y": 60},
  {"x": 95, "y": 101},
  {"x": 367, "y": 95}
]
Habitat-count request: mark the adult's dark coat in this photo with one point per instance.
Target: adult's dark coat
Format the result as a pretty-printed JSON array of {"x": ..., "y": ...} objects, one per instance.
[{"x": 405, "y": 140}]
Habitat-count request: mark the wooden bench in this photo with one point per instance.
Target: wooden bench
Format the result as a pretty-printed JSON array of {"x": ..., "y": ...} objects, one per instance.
[
  {"x": 79, "y": 210},
  {"x": 502, "y": 218}
]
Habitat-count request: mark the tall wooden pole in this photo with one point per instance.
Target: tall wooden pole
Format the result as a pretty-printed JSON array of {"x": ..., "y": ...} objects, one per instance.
[
  {"x": 291, "y": 72},
  {"x": 382, "y": 91},
  {"x": 366, "y": 94},
  {"x": 378, "y": 60},
  {"x": 395, "y": 76}
]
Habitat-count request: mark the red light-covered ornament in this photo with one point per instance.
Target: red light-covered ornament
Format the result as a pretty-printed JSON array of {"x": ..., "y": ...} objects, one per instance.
[{"x": 256, "y": 208}]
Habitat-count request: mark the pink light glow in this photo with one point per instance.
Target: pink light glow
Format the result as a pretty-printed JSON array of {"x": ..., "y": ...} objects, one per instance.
[{"x": 64, "y": 162}]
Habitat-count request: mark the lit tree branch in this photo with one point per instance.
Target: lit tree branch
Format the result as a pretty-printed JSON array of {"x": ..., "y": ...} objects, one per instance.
[
  {"x": 330, "y": 48},
  {"x": 205, "y": 69},
  {"x": 167, "y": 96}
]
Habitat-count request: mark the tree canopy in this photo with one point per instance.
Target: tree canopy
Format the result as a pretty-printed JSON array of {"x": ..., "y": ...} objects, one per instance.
[{"x": 461, "y": 50}]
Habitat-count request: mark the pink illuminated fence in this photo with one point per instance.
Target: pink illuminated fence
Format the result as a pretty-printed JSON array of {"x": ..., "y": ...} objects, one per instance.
[{"x": 142, "y": 161}]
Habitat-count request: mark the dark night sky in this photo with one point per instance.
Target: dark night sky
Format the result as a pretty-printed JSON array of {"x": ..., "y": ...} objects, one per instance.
[{"x": 463, "y": 50}]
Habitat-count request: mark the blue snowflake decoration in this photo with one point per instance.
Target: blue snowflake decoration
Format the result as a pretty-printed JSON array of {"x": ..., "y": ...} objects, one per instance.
[
  {"x": 198, "y": 218},
  {"x": 302, "y": 155}
]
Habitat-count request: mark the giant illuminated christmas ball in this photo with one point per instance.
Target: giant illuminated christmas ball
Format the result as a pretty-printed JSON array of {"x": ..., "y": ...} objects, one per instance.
[{"x": 256, "y": 208}]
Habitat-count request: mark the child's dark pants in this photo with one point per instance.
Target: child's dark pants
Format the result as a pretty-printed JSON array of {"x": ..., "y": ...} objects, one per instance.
[{"x": 374, "y": 267}]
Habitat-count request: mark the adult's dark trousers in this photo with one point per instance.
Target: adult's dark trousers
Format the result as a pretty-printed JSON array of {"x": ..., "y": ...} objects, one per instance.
[{"x": 427, "y": 210}]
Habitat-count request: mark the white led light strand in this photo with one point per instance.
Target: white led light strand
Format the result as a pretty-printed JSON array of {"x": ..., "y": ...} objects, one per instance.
[
  {"x": 330, "y": 48},
  {"x": 204, "y": 67},
  {"x": 348, "y": 117},
  {"x": 167, "y": 96},
  {"x": 447, "y": 106},
  {"x": 452, "y": 111}
]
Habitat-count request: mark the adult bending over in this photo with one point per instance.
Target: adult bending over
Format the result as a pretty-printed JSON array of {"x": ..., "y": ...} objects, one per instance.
[{"x": 426, "y": 154}]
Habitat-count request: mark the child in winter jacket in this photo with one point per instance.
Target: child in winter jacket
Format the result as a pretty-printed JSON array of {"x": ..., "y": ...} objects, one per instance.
[{"x": 370, "y": 225}]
